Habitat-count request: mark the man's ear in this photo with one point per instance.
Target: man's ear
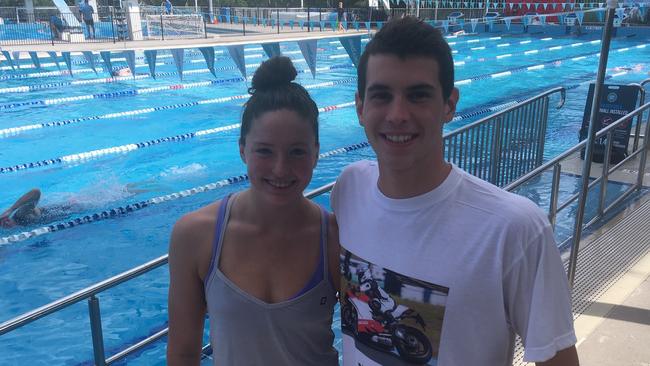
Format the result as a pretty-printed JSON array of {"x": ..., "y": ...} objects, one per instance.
[
  {"x": 358, "y": 103},
  {"x": 242, "y": 153},
  {"x": 451, "y": 103}
]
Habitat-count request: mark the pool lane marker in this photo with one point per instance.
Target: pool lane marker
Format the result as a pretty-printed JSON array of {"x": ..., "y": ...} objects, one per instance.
[
  {"x": 89, "y": 155},
  {"x": 46, "y": 102},
  {"x": 85, "y": 156},
  {"x": 25, "y": 89},
  {"x": 555, "y": 62},
  {"x": 525, "y": 53},
  {"x": 13, "y": 131},
  {"x": 123, "y": 210}
]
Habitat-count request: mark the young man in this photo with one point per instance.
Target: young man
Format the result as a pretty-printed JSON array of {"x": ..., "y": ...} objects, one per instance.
[
  {"x": 439, "y": 267},
  {"x": 87, "y": 11}
]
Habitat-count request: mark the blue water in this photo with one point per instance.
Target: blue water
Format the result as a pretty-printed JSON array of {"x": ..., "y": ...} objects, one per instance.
[{"x": 42, "y": 269}]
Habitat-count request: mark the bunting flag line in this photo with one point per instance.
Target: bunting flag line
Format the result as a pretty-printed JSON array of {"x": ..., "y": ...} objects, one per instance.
[
  {"x": 108, "y": 65},
  {"x": 178, "y": 54},
  {"x": 208, "y": 55},
  {"x": 508, "y": 21},
  {"x": 237, "y": 54},
  {"x": 474, "y": 23},
  {"x": 352, "y": 46},
  {"x": 271, "y": 49},
  {"x": 150, "y": 56},
  {"x": 580, "y": 15},
  {"x": 308, "y": 50},
  {"x": 34, "y": 56}
]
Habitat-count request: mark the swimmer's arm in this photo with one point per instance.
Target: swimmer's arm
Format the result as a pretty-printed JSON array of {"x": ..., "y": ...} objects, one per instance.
[
  {"x": 334, "y": 252},
  {"x": 30, "y": 197},
  {"x": 565, "y": 357},
  {"x": 186, "y": 297}
]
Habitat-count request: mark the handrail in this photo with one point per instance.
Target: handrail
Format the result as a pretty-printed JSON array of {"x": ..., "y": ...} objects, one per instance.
[
  {"x": 573, "y": 150},
  {"x": 81, "y": 295},
  {"x": 90, "y": 292},
  {"x": 555, "y": 163},
  {"x": 559, "y": 89}
]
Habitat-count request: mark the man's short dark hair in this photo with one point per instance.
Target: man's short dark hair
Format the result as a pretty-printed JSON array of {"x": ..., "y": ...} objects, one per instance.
[{"x": 408, "y": 37}]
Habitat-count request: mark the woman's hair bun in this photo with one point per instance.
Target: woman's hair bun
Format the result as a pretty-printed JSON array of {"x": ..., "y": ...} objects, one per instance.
[{"x": 272, "y": 73}]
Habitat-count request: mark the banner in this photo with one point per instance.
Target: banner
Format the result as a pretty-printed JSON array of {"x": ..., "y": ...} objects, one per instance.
[
  {"x": 150, "y": 58},
  {"x": 237, "y": 54},
  {"x": 88, "y": 55},
  {"x": 108, "y": 65},
  {"x": 129, "y": 55},
  {"x": 208, "y": 55},
  {"x": 34, "y": 56},
  {"x": 272, "y": 49},
  {"x": 68, "y": 61},
  {"x": 54, "y": 58},
  {"x": 352, "y": 46},
  {"x": 308, "y": 49},
  {"x": 616, "y": 101}
]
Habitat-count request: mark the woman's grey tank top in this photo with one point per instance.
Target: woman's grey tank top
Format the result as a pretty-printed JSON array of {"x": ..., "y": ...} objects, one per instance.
[{"x": 247, "y": 331}]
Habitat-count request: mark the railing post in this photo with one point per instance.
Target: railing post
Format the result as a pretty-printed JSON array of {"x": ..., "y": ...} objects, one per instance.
[
  {"x": 113, "y": 23},
  {"x": 644, "y": 154},
  {"x": 277, "y": 18},
  {"x": 555, "y": 188},
  {"x": 495, "y": 151},
  {"x": 162, "y": 29},
  {"x": 605, "y": 174},
  {"x": 639, "y": 119},
  {"x": 96, "y": 331},
  {"x": 243, "y": 24},
  {"x": 320, "y": 19},
  {"x": 205, "y": 29}
]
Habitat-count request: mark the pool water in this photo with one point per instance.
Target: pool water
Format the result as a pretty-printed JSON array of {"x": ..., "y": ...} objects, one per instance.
[{"x": 42, "y": 269}]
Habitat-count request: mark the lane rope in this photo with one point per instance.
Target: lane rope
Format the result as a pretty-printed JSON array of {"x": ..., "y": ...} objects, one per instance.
[{"x": 132, "y": 207}]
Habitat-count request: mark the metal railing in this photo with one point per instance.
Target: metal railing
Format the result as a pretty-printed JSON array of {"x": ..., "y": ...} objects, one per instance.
[
  {"x": 606, "y": 134},
  {"x": 502, "y": 147},
  {"x": 502, "y": 134}
]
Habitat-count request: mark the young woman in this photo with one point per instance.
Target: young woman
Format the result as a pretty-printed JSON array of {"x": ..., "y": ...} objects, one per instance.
[{"x": 262, "y": 262}]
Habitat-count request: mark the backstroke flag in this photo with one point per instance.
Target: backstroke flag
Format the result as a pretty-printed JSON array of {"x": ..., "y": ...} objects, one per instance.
[
  {"x": 237, "y": 54},
  {"x": 91, "y": 60},
  {"x": 34, "y": 56},
  {"x": 150, "y": 57},
  {"x": 7, "y": 56},
  {"x": 271, "y": 49},
  {"x": 208, "y": 55},
  {"x": 106, "y": 57},
  {"x": 352, "y": 46},
  {"x": 177, "y": 54},
  {"x": 129, "y": 55},
  {"x": 54, "y": 58},
  {"x": 68, "y": 61},
  {"x": 308, "y": 49}
]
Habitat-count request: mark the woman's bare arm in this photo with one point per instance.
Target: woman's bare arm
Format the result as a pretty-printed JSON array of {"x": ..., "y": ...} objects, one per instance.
[{"x": 186, "y": 297}]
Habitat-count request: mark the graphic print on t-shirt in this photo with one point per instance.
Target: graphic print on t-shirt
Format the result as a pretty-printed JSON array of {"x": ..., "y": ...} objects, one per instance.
[{"x": 393, "y": 319}]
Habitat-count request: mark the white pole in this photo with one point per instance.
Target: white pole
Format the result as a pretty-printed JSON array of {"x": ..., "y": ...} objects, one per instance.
[
  {"x": 211, "y": 10},
  {"x": 196, "y": 6}
]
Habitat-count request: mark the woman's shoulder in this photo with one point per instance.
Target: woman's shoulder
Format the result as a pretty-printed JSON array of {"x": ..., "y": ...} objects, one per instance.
[{"x": 196, "y": 226}]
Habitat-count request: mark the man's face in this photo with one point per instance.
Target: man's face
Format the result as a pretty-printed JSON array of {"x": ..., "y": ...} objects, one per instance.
[{"x": 404, "y": 111}]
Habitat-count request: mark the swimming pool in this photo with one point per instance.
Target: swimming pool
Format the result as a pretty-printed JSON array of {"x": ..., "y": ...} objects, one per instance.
[{"x": 76, "y": 119}]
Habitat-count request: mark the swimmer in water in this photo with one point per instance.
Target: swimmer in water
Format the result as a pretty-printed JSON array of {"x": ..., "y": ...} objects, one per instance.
[
  {"x": 25, "y": 211},
  {"x": 124, "y": 71}
]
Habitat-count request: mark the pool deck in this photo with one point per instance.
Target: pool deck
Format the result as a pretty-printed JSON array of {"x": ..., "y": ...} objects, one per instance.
[{"x": 212, "y": 40}]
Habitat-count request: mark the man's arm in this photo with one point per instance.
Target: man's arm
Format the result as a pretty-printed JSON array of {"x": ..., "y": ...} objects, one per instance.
[
  {"x": 565, "y": 357},
  {"x": 30, "y": 197}
]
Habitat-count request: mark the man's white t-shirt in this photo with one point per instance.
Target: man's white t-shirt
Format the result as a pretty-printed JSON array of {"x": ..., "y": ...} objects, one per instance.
[{"x": 466, "y": 265}]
